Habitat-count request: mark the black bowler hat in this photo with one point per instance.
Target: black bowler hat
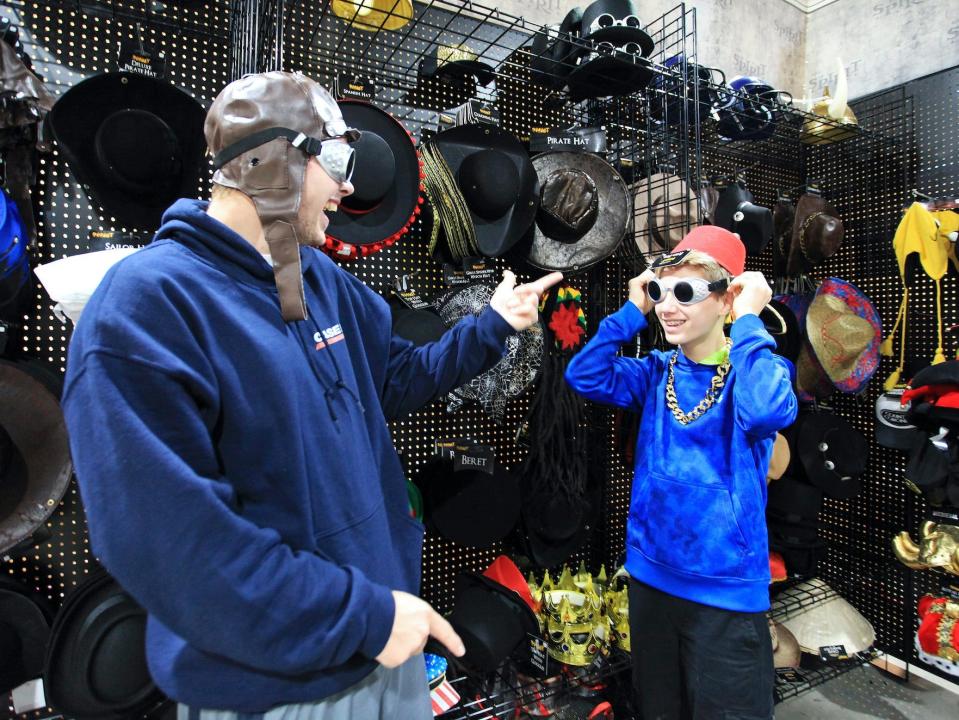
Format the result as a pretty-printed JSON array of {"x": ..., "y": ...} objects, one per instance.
[
  {"x": 386, "y": 181},
  {"x": 492, "y": 620},
  {"x": 496, "y": 180},
  {"x": 737, "y": 212},
  {"x": 25, "y": 619},
  {"x": 832, "y": 452},
  {"x": 35, "y": 465},
  {"x": 135, "y": 143},
  {"x": 471, "y": 507},
  {"x": 96, "y": 660}
]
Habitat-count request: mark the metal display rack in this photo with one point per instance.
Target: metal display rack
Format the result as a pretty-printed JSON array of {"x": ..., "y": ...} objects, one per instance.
[{"x": 901, "y": 144}]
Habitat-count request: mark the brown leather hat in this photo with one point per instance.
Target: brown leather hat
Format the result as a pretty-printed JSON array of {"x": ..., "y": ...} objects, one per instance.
[
  {"x": 253, "y": 131},
  {"x": 816, "y": 235}
]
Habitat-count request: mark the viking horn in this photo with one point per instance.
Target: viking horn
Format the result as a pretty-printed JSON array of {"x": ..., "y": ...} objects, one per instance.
[{"x": 837, "y": 105}]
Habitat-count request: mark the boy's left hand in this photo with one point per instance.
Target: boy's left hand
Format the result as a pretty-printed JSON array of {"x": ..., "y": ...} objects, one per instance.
[{"x": 751, "y": 293}]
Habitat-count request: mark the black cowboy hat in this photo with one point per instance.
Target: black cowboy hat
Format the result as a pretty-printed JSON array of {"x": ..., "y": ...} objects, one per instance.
[
  {"x": 96, "y": 660},
  {"x": 736, "y": 212},
  {"x": 583, "y": 214},
  {"x": 616, "y": 21},
  {"x": 496, "y": 180},
  {"x": 35, "y": 466},
  {"x": 469, "y": 506},
  {"x": 832, "y": 452},
  {"x": 25, "y": 618},
  {"x": 135, "y": 143},
  {"x": 492, "y": 620},
  {"x": 386, "y": 181}
]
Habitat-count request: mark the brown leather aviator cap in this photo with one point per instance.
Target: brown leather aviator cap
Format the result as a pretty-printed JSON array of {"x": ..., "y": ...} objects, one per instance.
[{"x": 259, "y": 130}]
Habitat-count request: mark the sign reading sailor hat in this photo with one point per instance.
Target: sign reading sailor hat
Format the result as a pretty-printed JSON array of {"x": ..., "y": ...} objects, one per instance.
[
  {"x": 893, "y": 429},
  {"x": 96, "y": 659},
  {"x": 583, "y": 212},
  {"x": 25, "y": 619},
  {"x": 737, "y": 212},
  {"x": 35, "y": 465},
  {"x": 387, "y": 186},
  {"x": 832, "y": 452},
  {"x": 491, "y": 171},
  {"x": 135, "y": 143}
]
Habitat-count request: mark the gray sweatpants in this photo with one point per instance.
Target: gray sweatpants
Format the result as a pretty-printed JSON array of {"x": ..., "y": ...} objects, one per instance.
[{"x": 382, "y": 695}]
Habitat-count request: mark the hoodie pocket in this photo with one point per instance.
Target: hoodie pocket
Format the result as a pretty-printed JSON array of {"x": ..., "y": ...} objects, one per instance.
[{"x": 690, "y": 528}]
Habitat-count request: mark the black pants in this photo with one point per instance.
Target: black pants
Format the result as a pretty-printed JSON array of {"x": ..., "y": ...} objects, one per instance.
[{"x": 696, "y": 661}]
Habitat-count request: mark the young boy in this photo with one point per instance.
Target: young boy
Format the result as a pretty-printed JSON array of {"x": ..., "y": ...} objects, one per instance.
[{"x": 696, "y": 546}]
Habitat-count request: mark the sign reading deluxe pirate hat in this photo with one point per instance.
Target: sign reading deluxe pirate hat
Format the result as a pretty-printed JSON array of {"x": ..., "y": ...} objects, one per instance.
[
  {"x": 35, "y": 464},
  {"x": 485, "y": 188},
  {"x": 386, "y": 181},
  {"x": 583, "y": 211},
  {"x": 134, "y": 143}
]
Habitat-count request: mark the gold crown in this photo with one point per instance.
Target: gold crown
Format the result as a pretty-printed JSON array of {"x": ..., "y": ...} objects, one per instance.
[
  {"x": 576, "y": 628},
  {"x": 617, "y": 609}
]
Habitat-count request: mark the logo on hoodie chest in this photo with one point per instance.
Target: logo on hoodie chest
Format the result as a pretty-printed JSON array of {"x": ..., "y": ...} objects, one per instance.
[{"x": 331, "y": 335}]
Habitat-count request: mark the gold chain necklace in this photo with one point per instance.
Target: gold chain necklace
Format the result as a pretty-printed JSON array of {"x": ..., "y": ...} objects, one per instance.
[{"x": 715, "y": 387}]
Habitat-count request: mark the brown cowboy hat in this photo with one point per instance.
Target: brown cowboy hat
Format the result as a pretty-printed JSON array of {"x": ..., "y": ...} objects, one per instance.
[
  {"x": 816, "y": 235},
  {"x": 664, "y": 209}
]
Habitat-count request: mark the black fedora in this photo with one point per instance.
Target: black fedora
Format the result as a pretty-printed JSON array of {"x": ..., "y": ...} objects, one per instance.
[
  {"x": 832, "y": 452},
  {"x": 35, "y": 465},
  {"x": 494, "y": 177},
  {"x": 737, "y": 212},
  {"x": 96, "y": 664},
  {"x": 616, "y": 21},
  {"x": 134, "y": 143},
  {"x": 471, "y": 507},
  {"x": 583, "y": 214},
  {"x": 492, "y": 620},
  {"x": 387, "y": 187},
  {"x": 25, "y": 619}
]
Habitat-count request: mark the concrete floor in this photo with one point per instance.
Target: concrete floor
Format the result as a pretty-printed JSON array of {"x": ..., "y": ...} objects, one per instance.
[{"x": 867, "y": 692}]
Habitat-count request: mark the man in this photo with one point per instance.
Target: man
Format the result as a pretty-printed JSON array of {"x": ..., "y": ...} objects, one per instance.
[
  {"x": 696, "y": 546},
  {"x": 227, "y": 396}
]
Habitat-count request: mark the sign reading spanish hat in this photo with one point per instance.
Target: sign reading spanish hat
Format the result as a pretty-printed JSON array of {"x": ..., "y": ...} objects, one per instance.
[
  {"x": 583, "y": 211},
  {"x": 133, "y": 142},
  {"x": 387, "y": 186}
]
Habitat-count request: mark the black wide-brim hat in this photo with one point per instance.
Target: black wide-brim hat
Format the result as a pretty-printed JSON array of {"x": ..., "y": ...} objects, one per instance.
[
  {"x": 737, "y": 212},
  {"x": 621, "y": 30},
  {"x": 134, "y": 143},
  {"x": 609, "y": 75},
  {"x": 471, "y": 507},
  {"x": 96, "y": 664},
  {"x": 25, "y": 619},
  {"x": 555, "y": 526},
  {"x": 491, "y": 619},
  {"x": 496, "y": 179},
  {"x": 418, "y": 326},
  {"x": 600, "y": 240},
  {"x": 832, "y": 452},
  {"x": 386, "y": 180},
  {"x": 36, "y": 465}
]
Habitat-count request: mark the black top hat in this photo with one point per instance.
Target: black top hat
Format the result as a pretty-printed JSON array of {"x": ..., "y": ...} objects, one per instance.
[
  {"x": 471, "y": 507},
  {"x": 832, "y": 452},
  {"x": 386, "y": 181},
  {"x": 35, "y": 464},
  {"x": 496, "y": 179},
  {"x": 737, "y": 213},
  {"x": 583, "y": 214},
  {"x": 492, "y": 620},
  {"x": 134, "y": 142},
  {"x": 616, "y": 21},
  {"x": 609, "y": 71},
  {"x": 96, "y": 659},
  {"x": 25, "y": 619},
  {"x": 553, "y": 58}
]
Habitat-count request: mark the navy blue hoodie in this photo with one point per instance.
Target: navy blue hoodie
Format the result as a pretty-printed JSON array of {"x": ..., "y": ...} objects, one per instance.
[
  {"x": 696, "y": 527},
  {"x": 237, "y": 471}
]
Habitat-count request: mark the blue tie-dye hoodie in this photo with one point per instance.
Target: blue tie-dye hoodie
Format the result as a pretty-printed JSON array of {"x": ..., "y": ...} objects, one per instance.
[{"x": 696, "y": 527}]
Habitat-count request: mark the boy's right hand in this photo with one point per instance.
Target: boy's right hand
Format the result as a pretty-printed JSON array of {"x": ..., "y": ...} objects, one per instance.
[{"x": 637, "y": 291}]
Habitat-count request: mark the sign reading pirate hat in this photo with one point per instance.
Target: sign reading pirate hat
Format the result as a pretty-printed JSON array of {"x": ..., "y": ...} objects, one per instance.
[
  {"x": 386, "y": 181},
  {"x": 96, "y": 659},
  {"x": 583, "y": 211},
  {"x": 737, "y": 213},
  {"x": 134, "y": 143},
  {"x": 35, "y": 464},
  {"x": 485, "y": 187}
]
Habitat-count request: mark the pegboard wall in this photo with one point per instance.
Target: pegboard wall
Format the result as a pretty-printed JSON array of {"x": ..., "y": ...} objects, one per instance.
[{"x": 866, "y": 178}]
